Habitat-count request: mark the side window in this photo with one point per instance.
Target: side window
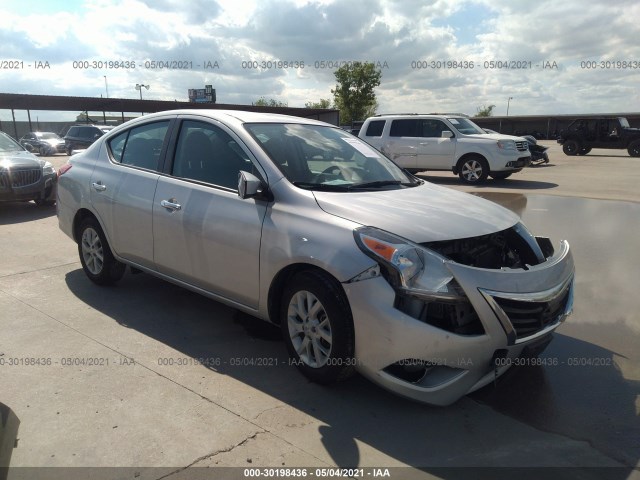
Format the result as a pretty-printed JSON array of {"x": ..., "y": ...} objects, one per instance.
[
  {"x": 207, "y": 153},
  {"x": 144, "y": 144},
  {"x": 73, "y": 132},
  {"x": 433, "y": 128},
  {"x": 116, "y": 145},
  {"x": 404, "y": 128},
  {"x": 140, "y": 146},
  {"x": 375, "y": 128}
]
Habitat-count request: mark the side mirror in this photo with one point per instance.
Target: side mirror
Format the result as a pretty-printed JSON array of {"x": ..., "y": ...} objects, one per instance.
[
  {"x": 446, "y": 134},
  {"x": 248, "y": 185}
]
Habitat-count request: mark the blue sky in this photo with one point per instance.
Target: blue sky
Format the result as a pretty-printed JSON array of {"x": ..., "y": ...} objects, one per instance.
[{"x": 401, "y": 35}]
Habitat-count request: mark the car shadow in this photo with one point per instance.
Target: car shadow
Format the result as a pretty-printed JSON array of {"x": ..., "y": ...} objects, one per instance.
[
  {"x": 20, "y": 212},
  {"x": 357, "y": 412},
  {"x": 508, "y": 183},
  {"x": 9, "y": 424}
]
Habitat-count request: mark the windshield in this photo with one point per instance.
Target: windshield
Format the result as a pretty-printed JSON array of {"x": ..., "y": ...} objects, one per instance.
[
  {"x": 316, "y": 157},
  {"x": 8, "y": 144},
  {"x": 624, "y": 123},
  {"x": 465, "y": 126}
]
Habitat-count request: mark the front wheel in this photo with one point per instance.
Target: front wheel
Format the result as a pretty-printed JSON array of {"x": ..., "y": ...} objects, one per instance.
[
  {"x": 500, "y": 175},
  {"x": 317, "y": 327},
  {"x": 474, "y": 170},
  {"x": 96, "y": 258},
  {"x": 571, "y": 147},
  {"x": 634, "y": 149}
]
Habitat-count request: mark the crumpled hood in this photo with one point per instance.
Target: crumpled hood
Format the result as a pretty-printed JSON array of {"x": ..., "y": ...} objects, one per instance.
[{"x": 426, "y": 213}]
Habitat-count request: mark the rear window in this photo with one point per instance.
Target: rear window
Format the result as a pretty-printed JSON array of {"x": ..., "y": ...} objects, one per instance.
[{"x": 375, "y": 128}]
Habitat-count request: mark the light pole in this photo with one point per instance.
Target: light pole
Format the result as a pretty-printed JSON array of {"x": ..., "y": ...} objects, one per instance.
[
  {"x": 139, "y": 87},
  {"x": 106, "y": 86},
  {"x": 508, "y": 102}
]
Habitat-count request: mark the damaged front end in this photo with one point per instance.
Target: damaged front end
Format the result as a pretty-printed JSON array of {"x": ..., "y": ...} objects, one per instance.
[{"x": 478, "y": 299}]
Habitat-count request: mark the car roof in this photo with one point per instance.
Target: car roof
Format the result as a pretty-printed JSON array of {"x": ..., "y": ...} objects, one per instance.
[
  {"x": 241, "y": 116},
  {"x": 394, "y": 116}
]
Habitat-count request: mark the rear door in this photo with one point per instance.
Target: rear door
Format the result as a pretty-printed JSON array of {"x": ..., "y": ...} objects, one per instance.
[
  {"x": 402, "y": 144},
  {"x": 203, "y": 233},
  {"x": 123, "y": 186}
]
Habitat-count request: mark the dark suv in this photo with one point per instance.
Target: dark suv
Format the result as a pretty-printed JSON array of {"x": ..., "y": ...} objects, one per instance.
[
  {"x": 586, "y": 133},
  {"x": 81, "y": 136}
]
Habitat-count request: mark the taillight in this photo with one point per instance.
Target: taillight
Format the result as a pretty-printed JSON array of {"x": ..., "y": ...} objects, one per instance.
[{"x": 64, "y": 169}]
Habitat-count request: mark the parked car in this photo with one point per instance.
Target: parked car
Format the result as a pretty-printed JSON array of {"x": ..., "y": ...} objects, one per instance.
[
  {"x": 446, "y": 142},
  {"x": 23, "y": 176},
  {"x": 427, "y": 291},
  {"x": 586, "y": 133},
  {"x": 79, "y": 137},
  {"x": 538, "y": 152},
  {"x": 43, "y": 143}
]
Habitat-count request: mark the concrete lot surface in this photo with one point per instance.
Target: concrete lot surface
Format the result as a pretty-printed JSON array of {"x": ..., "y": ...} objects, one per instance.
[{"x": 146, "y": 374}]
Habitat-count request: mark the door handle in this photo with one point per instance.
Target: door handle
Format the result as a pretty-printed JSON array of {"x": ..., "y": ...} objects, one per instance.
[
  {"x": 99, "y": 186},
  {"x": 171, "y": 204}
]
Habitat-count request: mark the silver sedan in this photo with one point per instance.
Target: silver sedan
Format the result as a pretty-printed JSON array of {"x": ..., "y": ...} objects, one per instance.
[{"x": 429, "y": 292}]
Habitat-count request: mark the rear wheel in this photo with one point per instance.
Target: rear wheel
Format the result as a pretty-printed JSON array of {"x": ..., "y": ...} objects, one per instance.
[
  {"x": 500, "y": 175},
  {"x": 634, "y": 149},
  {"x": 473, "y": 170},
  {"x": 41, "y": 202},
  {"x": 42, "y": 151},
  {"x": 317, "y": 326},
  {"x": 584, "y": 150},
  {"x": 571, "y": 147},
  {"x": 96, "y": 258}
]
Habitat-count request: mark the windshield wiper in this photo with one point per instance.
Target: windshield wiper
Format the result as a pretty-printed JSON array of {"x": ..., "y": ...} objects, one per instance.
[
  {"x": 327, "y": 187},
  {"x": 381, "y": 183}
]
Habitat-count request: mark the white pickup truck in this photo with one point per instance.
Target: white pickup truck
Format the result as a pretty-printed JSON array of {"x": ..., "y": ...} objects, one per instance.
[{"x": 446, "y": 142}]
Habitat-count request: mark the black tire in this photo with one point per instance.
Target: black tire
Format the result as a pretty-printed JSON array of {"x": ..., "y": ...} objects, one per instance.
[
  {"x": 634, "y": 148},
  {"x": 95, "y": 254},
  {"x": 324, "y": 361},
  {"x": 69, "y": 150},
  {"x": 500, "y": 175},
  {"x": 571, "y": 147},
  {"x": 42, "y": 202},
  {"x": 584, "y": 150},
  {"x": 473, "y": 170},
  {"x": 42, "y": 151}
]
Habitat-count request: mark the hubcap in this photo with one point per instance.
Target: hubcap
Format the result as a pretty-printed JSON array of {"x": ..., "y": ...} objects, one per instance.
[
  {"x": 309, "y": 329},
  {"x": 92, "y": 251},
  {"x": 472, "y": 170}
]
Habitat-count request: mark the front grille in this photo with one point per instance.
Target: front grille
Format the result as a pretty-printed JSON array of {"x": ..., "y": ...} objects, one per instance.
[
  {"x": 522, "y": 146},
  {"x": 19, "y": 177},
  {"x": 528, "y": 318}
]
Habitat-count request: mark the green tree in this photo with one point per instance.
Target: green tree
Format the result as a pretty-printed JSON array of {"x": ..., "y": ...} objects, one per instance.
[
  {"x": 263, "y": 102},
  {"x": 485, "y": 111},
  {"x": 354, "y": 94},
  {"x": 323, "y": 103}
]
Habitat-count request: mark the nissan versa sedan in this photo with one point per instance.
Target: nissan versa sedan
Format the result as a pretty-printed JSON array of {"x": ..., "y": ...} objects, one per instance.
[
  {"x": 23, "y": 176},
  {"x": 429, "y": 292}
]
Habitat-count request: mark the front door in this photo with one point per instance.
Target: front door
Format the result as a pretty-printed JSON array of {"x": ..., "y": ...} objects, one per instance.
[{"x": 203, "y": 233}]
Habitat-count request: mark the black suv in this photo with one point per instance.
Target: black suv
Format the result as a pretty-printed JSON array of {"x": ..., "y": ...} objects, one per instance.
[
  {"x": 81, "y": 136},
  {"x": 586, "y": 133}
]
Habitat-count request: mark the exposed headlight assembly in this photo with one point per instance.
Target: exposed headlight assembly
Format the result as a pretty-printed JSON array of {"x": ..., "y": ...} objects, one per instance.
[{"x": 408, "y": 267}]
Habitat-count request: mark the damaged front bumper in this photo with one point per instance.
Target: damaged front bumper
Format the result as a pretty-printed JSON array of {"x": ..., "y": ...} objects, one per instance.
[{"x": 400, "y": 347}]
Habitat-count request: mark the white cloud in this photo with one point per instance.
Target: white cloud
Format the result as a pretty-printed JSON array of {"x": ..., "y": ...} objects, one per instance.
[{"x": 391, "y": 31}]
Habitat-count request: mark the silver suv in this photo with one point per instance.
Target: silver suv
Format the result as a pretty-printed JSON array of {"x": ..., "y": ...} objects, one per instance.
[
  {"x": 427, "y": 291},
  {"x": 446, "y": 142}
]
